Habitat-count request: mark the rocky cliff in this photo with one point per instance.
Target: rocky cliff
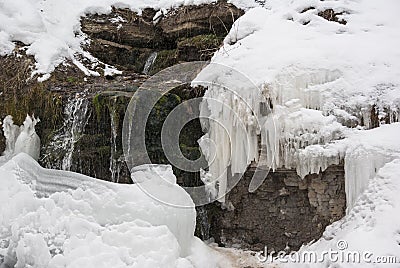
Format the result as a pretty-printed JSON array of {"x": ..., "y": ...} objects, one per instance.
[{"x": 91, "y": 109}]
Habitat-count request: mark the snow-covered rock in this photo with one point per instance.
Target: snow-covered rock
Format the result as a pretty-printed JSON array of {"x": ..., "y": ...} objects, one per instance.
[
  {"x": 52, "y": 32},
  {"x": 313, "y": 76}
]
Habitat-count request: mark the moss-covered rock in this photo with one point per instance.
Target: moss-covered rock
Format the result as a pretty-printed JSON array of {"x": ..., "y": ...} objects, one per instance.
[
  {"x": 200, "y": 47},
  {"x": 20, "y": 95},
  {"x": 165, "y": 59}
]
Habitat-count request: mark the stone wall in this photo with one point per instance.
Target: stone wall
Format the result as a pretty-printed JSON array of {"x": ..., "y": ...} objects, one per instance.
[{"x": 284, "y": 211}]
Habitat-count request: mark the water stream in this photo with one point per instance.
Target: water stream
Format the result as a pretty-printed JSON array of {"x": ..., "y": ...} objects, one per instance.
[
  {"x": 58, "y": 153},
  {"x": 149, "y": 62}
]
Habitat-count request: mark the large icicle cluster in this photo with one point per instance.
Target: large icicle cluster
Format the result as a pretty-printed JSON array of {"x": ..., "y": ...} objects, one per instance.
[{"x": 232, "y": 127}]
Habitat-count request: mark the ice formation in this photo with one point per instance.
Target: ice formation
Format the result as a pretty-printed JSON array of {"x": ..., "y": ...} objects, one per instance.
[
  {"x": 54, "y": 218},
  {"x": 233, "y": 128},
  {"x": 367, "y": 152},
  {"x": 370, "y": 231},
  {"x": 21, "y": 139},
  {"x": 11, "y": 133},
  {"x": 303, "y": 87}
]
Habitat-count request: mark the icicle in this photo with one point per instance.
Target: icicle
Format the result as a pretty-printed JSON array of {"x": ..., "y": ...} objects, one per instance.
[
  {"x": 114, "y": 163},
  {"x": 21, "y": 139},
  {"x": 11, "y": 133},
  {"x": 235, "y": 121},
  {"x": 28, "y": 141},
  {"x": 361, "y": 165},
  {"x": 149, "y": 62},
  {"x": 232, "y": 127}
]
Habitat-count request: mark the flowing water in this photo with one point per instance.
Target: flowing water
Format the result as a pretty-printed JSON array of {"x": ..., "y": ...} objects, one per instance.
[
  {"x": 149, "y": 62},
  {"x": 58, "y": 153}
]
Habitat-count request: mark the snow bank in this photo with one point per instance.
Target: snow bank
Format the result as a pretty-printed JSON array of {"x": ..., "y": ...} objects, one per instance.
[
  {"x": 371, "y": 229},
  {"x": 315, "y": 79},
  {"x": 52, "y": 218},
  {"x": 51, "y": 29},
  {"x": 368, "y": 152},
  {"x": 364, "y": 152}
]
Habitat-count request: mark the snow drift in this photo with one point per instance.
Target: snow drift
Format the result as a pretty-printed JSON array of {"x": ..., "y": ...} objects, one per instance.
[{"x": 52, "y": 218}]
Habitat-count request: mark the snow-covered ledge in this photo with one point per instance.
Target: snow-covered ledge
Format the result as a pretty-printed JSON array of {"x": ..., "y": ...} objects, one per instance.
[{"x": 320, "y": 92}]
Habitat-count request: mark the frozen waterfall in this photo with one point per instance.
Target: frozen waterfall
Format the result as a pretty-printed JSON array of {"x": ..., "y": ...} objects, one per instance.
[
  {"x": 293, "y": 122},
  {"x": 270, "y": 125}
]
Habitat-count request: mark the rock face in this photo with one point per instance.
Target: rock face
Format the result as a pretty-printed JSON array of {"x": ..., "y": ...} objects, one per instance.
[
  {"x": 126, "y": 39},
  {"x": 284, "y": 211},
  {"x": 190, "y": 21}
]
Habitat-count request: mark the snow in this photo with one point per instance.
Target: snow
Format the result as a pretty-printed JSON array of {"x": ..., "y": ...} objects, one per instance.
[
  {"x": 53, "y": 218},
  {"x": 317, "y": 78},
  {"x": 51, "y": 29},
  {"x": 321, "y": 82},
  {"x": 368, "y": 152},
  {"x": 307, "y": 86},
  {"x": 372, "y": 225}
]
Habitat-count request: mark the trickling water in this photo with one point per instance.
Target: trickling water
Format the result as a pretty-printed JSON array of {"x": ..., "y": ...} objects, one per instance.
[
  {"x": 149, "y": 62},
  {"x": 58, "y": 153},
  {"x": 202, "y": 218},
  {"x": 115, "y": 166}
]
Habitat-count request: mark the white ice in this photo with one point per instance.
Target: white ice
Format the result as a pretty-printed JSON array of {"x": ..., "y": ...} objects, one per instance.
[
  {"x": 53, "y": 218},
  {"x": 21, "y": 139},
  {"x": 370, "y": 230}
]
